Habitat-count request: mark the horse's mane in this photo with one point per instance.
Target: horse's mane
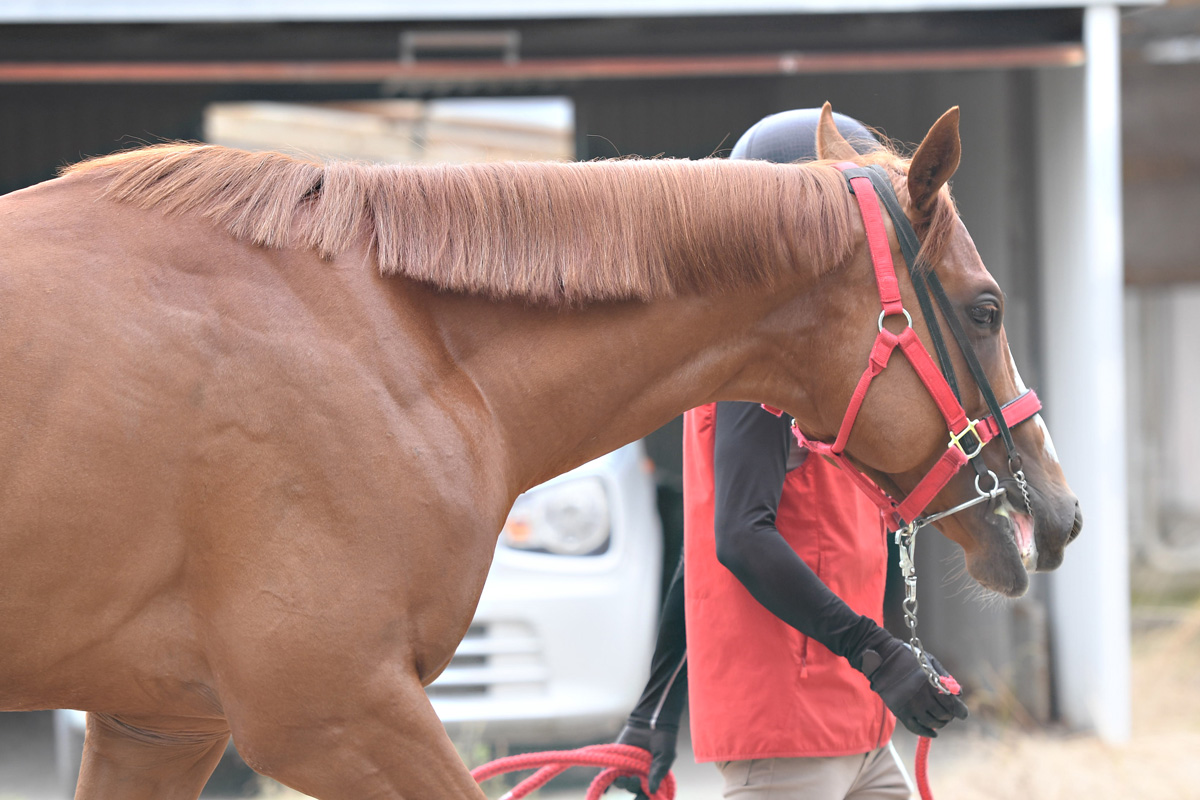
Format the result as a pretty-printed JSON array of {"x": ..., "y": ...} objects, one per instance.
[{"x": 543, "y": 232}]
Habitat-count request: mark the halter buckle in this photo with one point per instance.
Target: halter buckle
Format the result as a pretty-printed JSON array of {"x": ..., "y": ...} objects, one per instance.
[{"x": 956, "y": 439}]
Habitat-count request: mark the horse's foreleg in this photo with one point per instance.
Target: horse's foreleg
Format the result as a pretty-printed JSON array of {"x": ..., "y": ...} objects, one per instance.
[
  {"x": 124, "y": 760},
  {"x": 352, "y": 745}
]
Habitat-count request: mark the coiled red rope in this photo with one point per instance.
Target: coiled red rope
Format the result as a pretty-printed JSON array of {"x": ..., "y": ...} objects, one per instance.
[{"x": 615, "y": 760}]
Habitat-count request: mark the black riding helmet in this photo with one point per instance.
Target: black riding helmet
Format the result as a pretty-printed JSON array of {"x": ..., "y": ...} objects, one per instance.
[{"x": 792, "y": 136}]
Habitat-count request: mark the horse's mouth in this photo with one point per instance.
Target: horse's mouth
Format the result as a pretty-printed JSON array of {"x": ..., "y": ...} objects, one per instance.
[
  {"x": 1021, "y": 528},
  {"x": 1006, "y": 550}
]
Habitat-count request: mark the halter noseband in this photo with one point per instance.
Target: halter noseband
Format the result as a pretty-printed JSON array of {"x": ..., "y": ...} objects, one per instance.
[{"x": 870, "y": 185}]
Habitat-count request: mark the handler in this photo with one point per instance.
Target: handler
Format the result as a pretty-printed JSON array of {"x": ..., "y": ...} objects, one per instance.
[{"x": 791, "y": 674}]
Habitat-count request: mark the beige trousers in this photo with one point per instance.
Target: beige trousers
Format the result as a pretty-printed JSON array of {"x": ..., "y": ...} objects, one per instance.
[{"x": 877, "y": 775}]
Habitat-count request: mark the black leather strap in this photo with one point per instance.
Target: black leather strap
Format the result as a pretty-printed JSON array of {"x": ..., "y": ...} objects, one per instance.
[{"x": 964, "y": 344}]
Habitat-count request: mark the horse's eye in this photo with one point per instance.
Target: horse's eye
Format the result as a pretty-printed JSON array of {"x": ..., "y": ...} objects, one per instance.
[{"x": 984, "y": 314}]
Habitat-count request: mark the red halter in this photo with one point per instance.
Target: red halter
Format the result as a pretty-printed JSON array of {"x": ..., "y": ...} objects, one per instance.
[{"x": 959, "y": 424}]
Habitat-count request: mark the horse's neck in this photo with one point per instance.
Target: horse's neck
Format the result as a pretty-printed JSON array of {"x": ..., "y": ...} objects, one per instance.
[
  {"x": 570, "y": 383},
  {"x": 565, "y": 386}
]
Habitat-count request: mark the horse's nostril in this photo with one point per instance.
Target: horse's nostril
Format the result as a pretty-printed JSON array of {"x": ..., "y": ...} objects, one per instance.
[{"x": 1077, "y": 525}]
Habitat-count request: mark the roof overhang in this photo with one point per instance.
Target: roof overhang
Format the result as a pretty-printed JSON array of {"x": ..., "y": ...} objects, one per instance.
[
  {"x": 553, "y": 70},
  {"x": 156, "y": 11}
]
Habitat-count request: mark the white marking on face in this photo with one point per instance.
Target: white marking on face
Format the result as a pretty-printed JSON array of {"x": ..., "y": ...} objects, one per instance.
[
  {"x": 1047, "y": 442},
  {"x": 1012, "y": 362}
]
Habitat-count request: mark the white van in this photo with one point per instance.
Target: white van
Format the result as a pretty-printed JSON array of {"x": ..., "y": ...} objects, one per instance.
[{"x": 560, "y": 646}]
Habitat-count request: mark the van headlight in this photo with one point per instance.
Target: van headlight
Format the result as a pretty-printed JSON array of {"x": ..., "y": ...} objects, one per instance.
[{"x": 569, "y": 518}]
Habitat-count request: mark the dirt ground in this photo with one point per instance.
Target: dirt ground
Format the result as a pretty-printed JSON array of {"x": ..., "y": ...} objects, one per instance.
[{"x": 1160, "y": 762}]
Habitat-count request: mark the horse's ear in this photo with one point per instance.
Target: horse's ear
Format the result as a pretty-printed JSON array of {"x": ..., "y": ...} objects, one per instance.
[
  {"x": 830, "y": 142},
  {"x": 935, "y": 161}
]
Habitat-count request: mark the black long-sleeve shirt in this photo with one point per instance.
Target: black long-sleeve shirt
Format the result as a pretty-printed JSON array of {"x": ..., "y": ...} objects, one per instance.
[{"x": 753, "y": 452}]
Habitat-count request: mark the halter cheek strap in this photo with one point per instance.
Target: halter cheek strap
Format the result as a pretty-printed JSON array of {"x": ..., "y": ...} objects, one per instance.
[{"x": 967, "y": 436}]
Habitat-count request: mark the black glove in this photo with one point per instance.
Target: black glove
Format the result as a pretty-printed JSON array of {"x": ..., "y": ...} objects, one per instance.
[
  {"x": 897, "y": 677},
  {"x": 660, "y": 743}
]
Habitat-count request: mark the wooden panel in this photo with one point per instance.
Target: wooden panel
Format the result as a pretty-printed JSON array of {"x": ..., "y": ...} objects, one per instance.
[{"x": 385, "y": 131}]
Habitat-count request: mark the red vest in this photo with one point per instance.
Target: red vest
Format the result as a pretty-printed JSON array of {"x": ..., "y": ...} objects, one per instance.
[{"x": 757, "y": 688}]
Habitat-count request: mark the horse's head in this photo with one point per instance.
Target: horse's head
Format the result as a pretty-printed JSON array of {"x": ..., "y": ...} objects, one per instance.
[{"x": 899, "y": 435}]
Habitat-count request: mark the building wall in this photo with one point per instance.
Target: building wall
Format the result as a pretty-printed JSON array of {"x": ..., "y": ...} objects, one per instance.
[
  {"x": 1161, "y": 115},
  {"x": 43, "y": 127},
  {"x": 1163, "y": 384}
]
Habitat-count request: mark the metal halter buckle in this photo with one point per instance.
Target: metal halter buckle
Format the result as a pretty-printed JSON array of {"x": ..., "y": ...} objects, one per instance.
[{"x": 956, "y": 439}]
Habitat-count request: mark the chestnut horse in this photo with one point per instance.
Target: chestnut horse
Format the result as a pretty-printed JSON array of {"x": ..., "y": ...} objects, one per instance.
[{"x": 263, "y": 419}]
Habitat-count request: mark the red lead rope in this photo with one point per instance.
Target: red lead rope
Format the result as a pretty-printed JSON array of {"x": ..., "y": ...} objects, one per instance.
[
  {"x": 922, "y": 767},
  {"x": 615, "y": 759},
  {"x": 620, "y": 759},
  {"x": 923, "y": 742}
]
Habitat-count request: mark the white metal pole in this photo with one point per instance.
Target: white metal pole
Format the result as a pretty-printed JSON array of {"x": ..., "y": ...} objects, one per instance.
[{"x": 1085, "y": 373}]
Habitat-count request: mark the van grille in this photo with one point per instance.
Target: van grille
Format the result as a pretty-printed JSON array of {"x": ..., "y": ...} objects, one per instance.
[{"x": 495, "y": 659}]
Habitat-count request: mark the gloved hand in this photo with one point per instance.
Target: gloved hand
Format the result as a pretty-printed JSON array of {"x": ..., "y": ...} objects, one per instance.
[
  {"x": 660, "y": 743},
  {"x": 897, "y": 677}
]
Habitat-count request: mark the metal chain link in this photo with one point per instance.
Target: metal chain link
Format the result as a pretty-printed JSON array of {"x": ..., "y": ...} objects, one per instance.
[
  {"x": 1019, "y": 476},
  {"x": 1015, "y": 468},
  {"x": 906, "y": 540}
]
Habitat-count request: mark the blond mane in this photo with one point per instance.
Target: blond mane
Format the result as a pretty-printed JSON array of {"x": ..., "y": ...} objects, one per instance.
[{"x": 543, "y": 232}]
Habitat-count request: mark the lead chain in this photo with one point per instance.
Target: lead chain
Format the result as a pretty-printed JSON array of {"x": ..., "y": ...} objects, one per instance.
[{"x": 906, "y": 540}]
